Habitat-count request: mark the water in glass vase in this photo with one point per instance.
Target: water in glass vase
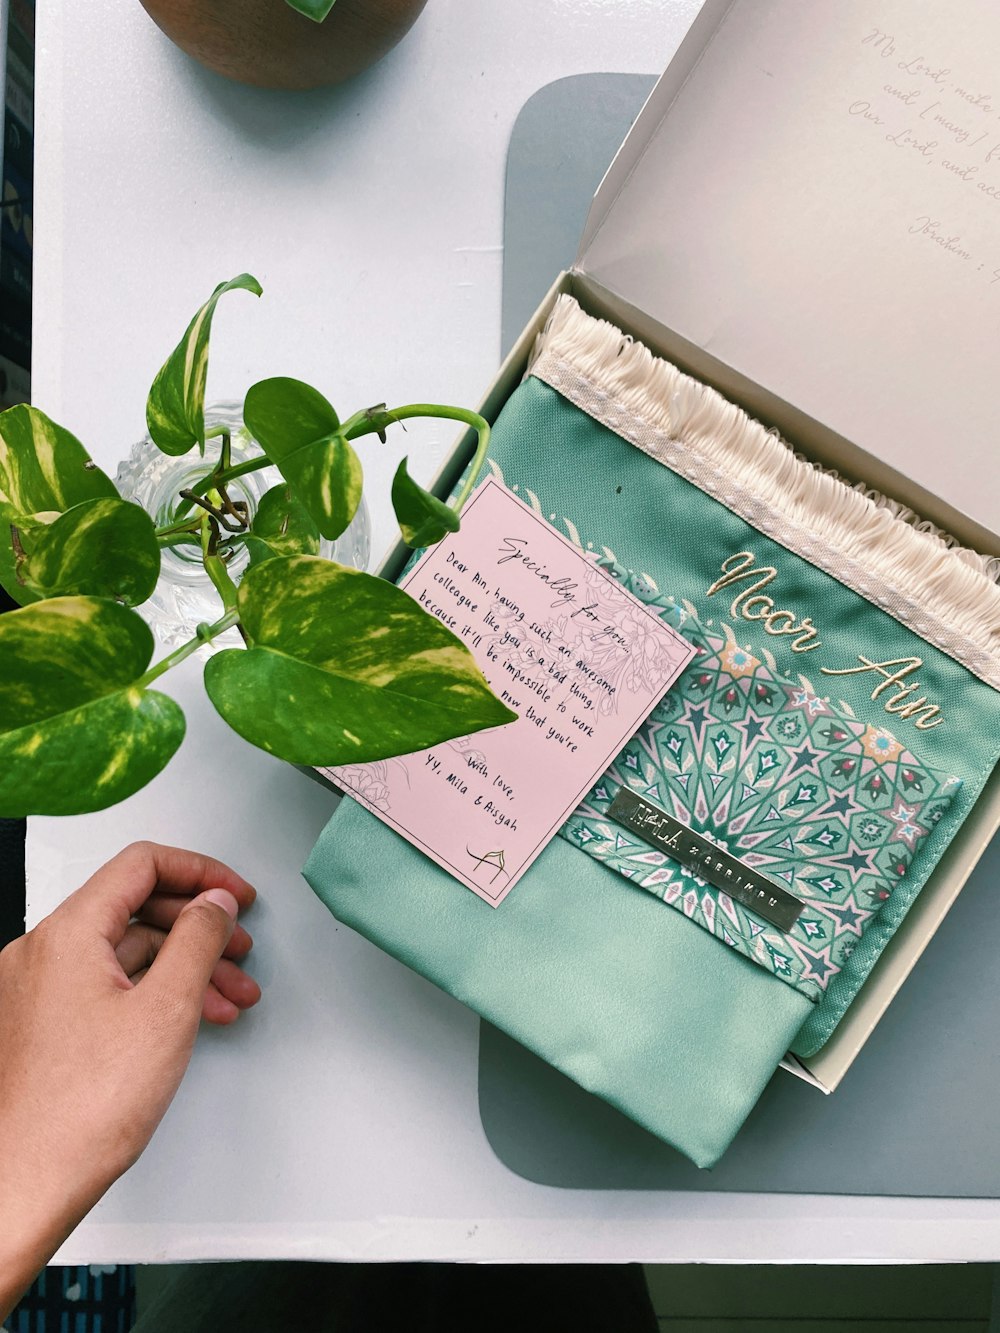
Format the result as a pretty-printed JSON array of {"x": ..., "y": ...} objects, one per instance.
[{"x": 184, "y": 596}]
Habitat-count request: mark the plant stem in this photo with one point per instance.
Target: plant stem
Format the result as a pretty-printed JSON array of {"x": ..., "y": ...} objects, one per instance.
[
  {"x": 362, "y": 423},
  {"x": 215, "y": 566},
  {"x": 232, "y": 517},
  {"x": 219, "y": 477},
  {"x": 205, "y": 634},
  {"x": 224, "y": 452},
  {"x": 180, "y": 538},
  {"x": 186, "y": 526},
  {"x": 231, "y": 473}
]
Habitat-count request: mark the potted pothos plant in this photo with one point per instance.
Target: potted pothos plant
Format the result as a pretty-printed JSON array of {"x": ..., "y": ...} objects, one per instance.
[
  {"x": 338, "y": 666},
  {"x": 285, "y": 43}
]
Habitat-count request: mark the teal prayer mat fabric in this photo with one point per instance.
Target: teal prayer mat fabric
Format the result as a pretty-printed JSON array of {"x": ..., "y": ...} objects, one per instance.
[
  {"x": 637, "y": 463},
  {"x": 634, "y": 500},
  {"x": 833, "y": 810},
  {"x": 632, "y": 1001}
]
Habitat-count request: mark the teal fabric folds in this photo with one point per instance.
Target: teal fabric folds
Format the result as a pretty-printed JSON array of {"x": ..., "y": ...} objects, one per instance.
[
  {"x": 597, "y": 977},
  {"x": 629, "y": 997}
]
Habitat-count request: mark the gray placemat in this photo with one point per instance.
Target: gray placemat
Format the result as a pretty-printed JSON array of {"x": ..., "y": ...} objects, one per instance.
[{"x": 917, "y": 1114}]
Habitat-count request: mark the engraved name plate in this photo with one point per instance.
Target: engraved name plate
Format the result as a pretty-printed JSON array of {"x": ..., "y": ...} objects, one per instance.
[{"x": 717, "y": 867}]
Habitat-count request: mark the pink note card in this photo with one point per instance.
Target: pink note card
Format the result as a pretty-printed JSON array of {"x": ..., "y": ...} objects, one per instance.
[{"x": 580, "y": 659}]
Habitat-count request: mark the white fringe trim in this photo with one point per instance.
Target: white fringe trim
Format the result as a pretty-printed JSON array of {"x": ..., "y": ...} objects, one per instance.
[{"x": 919, "y": 574}]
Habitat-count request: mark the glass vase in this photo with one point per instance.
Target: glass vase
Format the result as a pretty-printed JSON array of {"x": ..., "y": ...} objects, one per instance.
[{"x": 184, "y": 596}]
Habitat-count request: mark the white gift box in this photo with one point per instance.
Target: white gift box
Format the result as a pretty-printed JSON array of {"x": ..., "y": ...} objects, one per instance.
[{"x": 806, "y": 216}]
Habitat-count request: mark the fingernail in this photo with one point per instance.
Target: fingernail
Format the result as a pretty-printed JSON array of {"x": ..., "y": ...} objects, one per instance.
[{"x": 224, "y": 899}]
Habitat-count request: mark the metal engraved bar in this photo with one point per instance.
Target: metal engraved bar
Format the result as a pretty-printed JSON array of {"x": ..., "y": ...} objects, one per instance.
[{"x": 718, "y": 868}]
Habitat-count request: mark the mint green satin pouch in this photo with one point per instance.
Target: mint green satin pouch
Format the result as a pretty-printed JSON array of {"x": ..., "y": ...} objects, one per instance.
[
  {"x": 625, "y": 995},
  {"x": 629, "y": 998}
]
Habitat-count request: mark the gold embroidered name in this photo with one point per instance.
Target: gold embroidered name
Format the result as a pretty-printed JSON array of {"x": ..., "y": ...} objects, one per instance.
[
  {"x": 752, "y": 604},
  {"x": 924, "y": 715}
]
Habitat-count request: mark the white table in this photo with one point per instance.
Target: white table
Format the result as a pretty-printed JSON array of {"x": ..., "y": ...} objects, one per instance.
[{"x": 340, "y": 1119}]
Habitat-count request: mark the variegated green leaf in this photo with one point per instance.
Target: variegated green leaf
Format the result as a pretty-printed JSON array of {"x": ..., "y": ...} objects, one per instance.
[
  {"x": 281, "y": 526},
  {"x": 44, "y": 470},
  {"x": 65, "y": 652},
  {"x": 175, "y": 408},
  {"x": 343, "y": 668},
  {"x": 313, "y": 9},
  {"x": 43, "y": 467},
  {"x": 101, "y": 548},
  {"x": 77, "y": 731},
  {"x": 300, "y": 432},
  {"x": 423, "y": 519}
]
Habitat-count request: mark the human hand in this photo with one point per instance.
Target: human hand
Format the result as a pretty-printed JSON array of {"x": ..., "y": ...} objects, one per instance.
[{"x": 99, "y": 1010}]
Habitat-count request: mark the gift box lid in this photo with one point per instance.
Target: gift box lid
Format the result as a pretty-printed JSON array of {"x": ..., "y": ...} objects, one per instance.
[{"x": 811, "y": 196}]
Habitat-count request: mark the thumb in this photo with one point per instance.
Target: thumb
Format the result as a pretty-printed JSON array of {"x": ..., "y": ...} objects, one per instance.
[{"x": 193, "y": 947}]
